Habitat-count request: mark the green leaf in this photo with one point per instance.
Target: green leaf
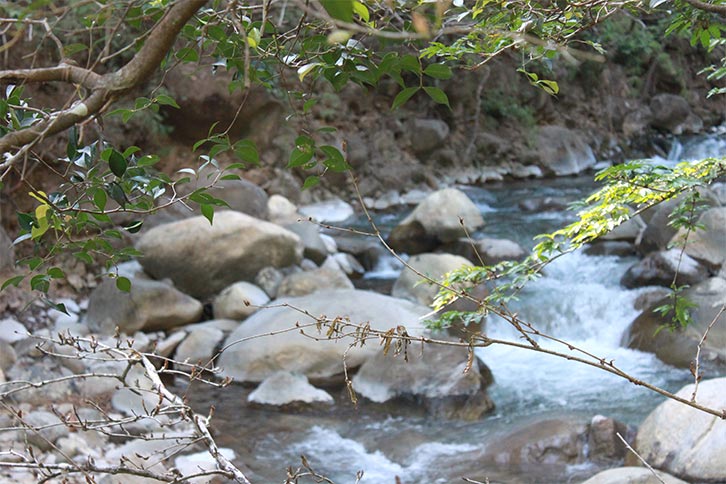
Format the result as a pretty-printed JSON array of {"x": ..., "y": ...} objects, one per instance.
[
  {"x": 165, "y": 100},
  {"x": 69, "y": 50},
  {"x": 311, "y": 181},
  {"x": 56, "y": 273},
  {"x": 334, "y": 159},
  {"x": 83, "y": 257},
  {"x": 123, "y": 284},
  {"x": 117, "y": 163},
  {"x": 411, "y": 63},
  {"x": 208, "y": 212},
  {"x": 339, "y": 9},
  {"x": 134, "y": 226},
  {"x": 99, "y": 198},
  {"x": 299, "y": 157},
  {"x": 41, "y": 283},
  {"x": 403, "y": 96},
  {"x": 437, "y": 95},
  {"x": 246, "y": 150},
  {"x": 13, "y": 281},
  {"x": 550, "y": 87},
  {"x": 438, "y": 71},
  {"x": 361, "y": 10},
  {"x": 187, "y": 54}
]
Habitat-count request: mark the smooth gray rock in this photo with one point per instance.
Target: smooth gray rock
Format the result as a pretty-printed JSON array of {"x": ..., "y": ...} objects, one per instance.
[
  {"x": 203, "y": 259},
  {"x": 632, "y": 475},
  {"x": 435, "y": 375},
  {"x": 148, "y": 306},
  {"x": 242, "y": 196},
  {"x": 673, "y": 113},
  {"x": 329, "y": 211},
  {"x": 281, "y": 350},
  {"x": 410, "y": 285},
  {"x": 436, "y": 220},
  {"x": 686, "y": 442},
  {"x": 546, "y": 442},
  {"x": 630, "y": 230},
  {"x": 313, "y": 246},
  {"x": 239, "y": 301},
  {"x": 281, "y": 210},
  {"x": 490, "y": 251},
  {"x": 283, "y": 388},
  {"x": 707, "y": 244},
  {"x": 563, "y": 151},
  {"x": 8, "y": 357},
  {"x": 12, "y": 330},
  {"x": 663, "y": 268},
  {"x": 316, "y": 280},
  {"x": 200, "y": 346},
  {"x": 49, "y": 429},
  {"x": 679, "y": 347},
  {"x": 427, "y": 134}
]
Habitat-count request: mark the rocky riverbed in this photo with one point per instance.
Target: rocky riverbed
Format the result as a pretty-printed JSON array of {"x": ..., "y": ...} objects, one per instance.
[{"x": 268, "y": 299}]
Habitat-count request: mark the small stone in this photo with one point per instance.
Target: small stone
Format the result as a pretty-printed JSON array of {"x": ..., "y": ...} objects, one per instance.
[
  {"x": 12, "y": 330},
  {"x": 284, "y": 387}
]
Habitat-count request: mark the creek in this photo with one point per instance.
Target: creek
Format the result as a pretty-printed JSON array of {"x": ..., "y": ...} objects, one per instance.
[{"x": 579, "y": 299}]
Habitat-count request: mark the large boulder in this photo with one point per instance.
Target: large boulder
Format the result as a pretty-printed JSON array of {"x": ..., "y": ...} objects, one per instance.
[
  {"x": 678, "y": 347},
  {"x": 632, "y": 475},
  {"x": 544, "y": 442},
  {"x": 314, "y": 247},
  {"x": 673, "y": 113},
  {"x": 563, "y": 151},
  {"x": 308, "y": 282},
  {"x": 200, "y": 346},
  {"x": 203, "y": 259},
  {"x": 204, "y": 99},
  {"x": 242, "y": 196},
  {"x": 329, "y": 211},
  {"x": 427, "y": 134},
  {"x": 411, "y": 286},
  {"x": 438, "y": 376},
  {"x": 268, "y": 342},
  {"x": 686, "y": 442},
  {"x": 662, "y": 268},
  {"x": 239, "y": 301},
  {"x": 148, "y": 306},
  {"x": 436, "y": 220},
  {"x": 489, "y": 251},
  {"x": 708, "y": 243}
]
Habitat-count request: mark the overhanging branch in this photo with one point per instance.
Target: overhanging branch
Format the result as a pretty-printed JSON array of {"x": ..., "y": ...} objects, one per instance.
[
  {"x": 707, "y": 7},
  {"x": 103, "y": 89}
]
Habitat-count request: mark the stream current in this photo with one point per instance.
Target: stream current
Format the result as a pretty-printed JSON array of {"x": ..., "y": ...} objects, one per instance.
[{"x": 579, "y": 299}]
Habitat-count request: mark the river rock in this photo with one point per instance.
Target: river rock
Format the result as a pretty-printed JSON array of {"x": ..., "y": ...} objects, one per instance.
[
  {"x": 256, "y": 359},
  {"x": 545, "y": 442},
  {"x": 12, "y": 330},
  {"x": 8, "y": 357},
  {"x": 242, "y": 196},
  {"x": 410, "y": 285},
  {"x": 41, "y": 369},
  {"x": 203, "y": 259},
  {"x": 630, "y": 230},
  {"x": 662, "y": 268},
  {"x": 603, "y": 444},
  {"x": 427, "y": 134},
  {"x": 657, "y": 233},
  {"x": 544, "y": 204},
  {"x": 316, "y": 280},
  {"x": 562, "y": 151},
  {"x": 200, "y": 346},
  {"x": 436, "y": 220},
  {"x": 201, "y": 461},
  {"x": 346, "y": 263},
  {"x": 269, "y": 279},
  {"x": 281, "y": 210},
  {"x": 239, "y": 301},
  {"x": 707, "y": 244},
  {"x": 632, "y": 475},
  {"x": 283, "y": 388},
  {"x": 686, "y": 442},
  {"x": 314, "y": 248},
  {"x": 678, "y": 347},
  {"x": 673, "y": 113},
  {"x": 619, "y": 248},
  {"x": 435, "y": 375},
  {"x": 490, "y": 251},
  {"x": 329, "y": 211},
  {"x": 149, "y": 306},
  {"x": 7, "y": 253},
  {"x": 48, "y": 429}
]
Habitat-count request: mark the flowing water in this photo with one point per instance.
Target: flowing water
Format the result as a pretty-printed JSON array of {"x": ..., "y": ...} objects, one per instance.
[{"x": 579, "y": 300}]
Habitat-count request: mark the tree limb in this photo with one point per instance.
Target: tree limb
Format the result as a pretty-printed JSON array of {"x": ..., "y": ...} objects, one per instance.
[
  {"x": 104, "y": 89},
  {"x": 707, "y": 7}
]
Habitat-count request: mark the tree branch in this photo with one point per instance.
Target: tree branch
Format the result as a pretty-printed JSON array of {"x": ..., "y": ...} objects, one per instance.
[
  {"x": 707, "y": 7},
  {"x": 104, "y": 89}
]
